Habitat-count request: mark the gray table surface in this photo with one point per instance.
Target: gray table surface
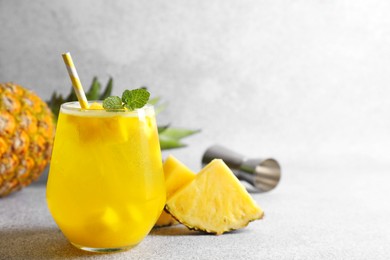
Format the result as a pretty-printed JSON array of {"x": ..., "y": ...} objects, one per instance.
[{"x": 312, "y": 214}]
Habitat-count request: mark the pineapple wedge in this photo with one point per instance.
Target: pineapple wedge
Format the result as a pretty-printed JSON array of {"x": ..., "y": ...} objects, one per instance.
[
  {"x": 165, "y": 220},
  {"x": 214, "y": 202},
  {"x": 176, "y": 176}
]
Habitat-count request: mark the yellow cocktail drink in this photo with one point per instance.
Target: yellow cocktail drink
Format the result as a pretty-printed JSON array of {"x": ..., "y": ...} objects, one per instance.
[{"x": 106, "y": 186}]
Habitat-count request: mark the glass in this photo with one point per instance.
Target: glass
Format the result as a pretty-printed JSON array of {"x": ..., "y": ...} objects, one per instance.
[{"x": 106, "y": 185}]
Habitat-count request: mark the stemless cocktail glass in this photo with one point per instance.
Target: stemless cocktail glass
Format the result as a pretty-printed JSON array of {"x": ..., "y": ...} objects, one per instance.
[{"x": 106, "y": 185}]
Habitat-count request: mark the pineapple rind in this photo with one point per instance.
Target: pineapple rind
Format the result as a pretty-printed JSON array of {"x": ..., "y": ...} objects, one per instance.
[
  {"x": 26, "y": 137},
  {"x": 209, "y": 230},
  {"x": 215, "y": 202}
]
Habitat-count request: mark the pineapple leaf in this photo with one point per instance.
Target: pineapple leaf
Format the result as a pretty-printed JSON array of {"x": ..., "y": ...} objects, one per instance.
[
  {"x": 94, "y": 90},
  {"x": 167, "y": 142},
  {"x": 54, "y": 103},
  {"x": 72, "y": 95},
  {"x": 154, "y": 101},
  {"x": 162, "y": 128},
  {"x": 107, "y": 90},
  {"x": 178, "y": 133},
  {"x": 158, "y": 108},
  {"x": 171, "y": 137}
]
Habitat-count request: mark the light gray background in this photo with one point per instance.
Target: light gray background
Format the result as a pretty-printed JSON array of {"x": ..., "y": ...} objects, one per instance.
[{"x": 306, "y": 82}]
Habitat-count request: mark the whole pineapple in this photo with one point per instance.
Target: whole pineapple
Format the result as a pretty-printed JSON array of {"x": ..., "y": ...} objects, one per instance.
[{"x": 26, "y": 137}]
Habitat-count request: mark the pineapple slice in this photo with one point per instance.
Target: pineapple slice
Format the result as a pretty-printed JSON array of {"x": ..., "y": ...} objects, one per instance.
[
  {"x": 176, "y": 176},
  {"x": 165, "y": 220},
  {"x": 214, "y": 202},
  {"x": 96, "y": 106}
]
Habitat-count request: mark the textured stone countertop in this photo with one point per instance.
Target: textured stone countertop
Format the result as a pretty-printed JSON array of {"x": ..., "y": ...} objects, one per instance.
[{"x": 327, "y": 214}]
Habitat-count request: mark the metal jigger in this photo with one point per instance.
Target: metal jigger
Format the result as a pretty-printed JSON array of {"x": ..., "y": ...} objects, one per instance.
[{"x": 263, "y": 174}]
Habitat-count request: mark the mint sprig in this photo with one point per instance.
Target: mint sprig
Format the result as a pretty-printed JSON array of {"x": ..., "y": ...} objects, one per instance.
[
  {"x": 113, "y": 103},
  {"x": 135, "y": 98},
  {"x": 131, "y": 99}
]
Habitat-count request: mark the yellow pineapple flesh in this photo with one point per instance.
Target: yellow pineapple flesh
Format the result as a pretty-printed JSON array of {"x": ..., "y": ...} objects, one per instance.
[
  {"x": 176, "y": 176},
  {"x": 214, "y": 202},
  {"x": 26, "y": 137}
]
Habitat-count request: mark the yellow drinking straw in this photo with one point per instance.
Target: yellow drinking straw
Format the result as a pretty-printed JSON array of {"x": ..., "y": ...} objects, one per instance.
[{"x": 74, "y": 77}]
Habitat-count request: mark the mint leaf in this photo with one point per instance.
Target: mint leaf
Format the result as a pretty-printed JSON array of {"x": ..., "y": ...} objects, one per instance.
[
  {"x": 112, "y": 103},
  {"x": 135, "y": 98},
  {"x": 131, "y": 99}
]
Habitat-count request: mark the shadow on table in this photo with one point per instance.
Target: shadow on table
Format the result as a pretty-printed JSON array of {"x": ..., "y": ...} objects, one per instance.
[
  {"x": 39, "y": 243},
  {"x": 50, "y": 243}
]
